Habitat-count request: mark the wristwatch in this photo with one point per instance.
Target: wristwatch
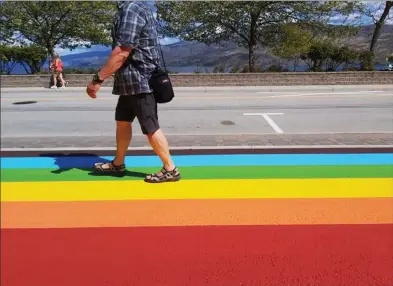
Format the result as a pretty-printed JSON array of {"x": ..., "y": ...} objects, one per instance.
[{"x": 96, "y": 79}]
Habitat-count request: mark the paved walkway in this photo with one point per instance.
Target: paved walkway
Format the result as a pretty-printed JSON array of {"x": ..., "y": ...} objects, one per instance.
[
  {"x": 294, "y": 140},
  {"x": 234, "y": 219}
]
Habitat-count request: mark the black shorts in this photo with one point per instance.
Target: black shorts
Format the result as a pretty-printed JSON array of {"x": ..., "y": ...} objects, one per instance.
[{"x": 141, "y": 106}]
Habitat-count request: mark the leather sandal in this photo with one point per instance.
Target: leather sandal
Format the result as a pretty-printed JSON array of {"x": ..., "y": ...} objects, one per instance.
[
  {"x": 110, "y": 168},
  {"x": 164, "y": 176}
]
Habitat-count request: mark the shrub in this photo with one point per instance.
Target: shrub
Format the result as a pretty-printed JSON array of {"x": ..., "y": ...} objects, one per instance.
[
  {"x": 366, "y": 59},
  {"x": 275, "y": 68}
]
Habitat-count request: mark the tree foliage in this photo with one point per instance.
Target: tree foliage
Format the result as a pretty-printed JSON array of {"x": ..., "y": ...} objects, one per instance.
[
  {"x": 31, "y": 57},
  {"x": 248, "y": 23},
  {"x": 366, "y": 59},
  {"x": 7, "y": 59},
  {"x": 326, "y": 56},
  {"x": 290, "y": 43},
  {"x": 317, "y": 56},
  {"x": 318, "y": 44},
  {"x": 48, "y": 24}
]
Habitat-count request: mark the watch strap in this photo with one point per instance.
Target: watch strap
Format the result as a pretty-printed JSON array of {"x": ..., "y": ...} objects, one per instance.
[{"x": 96, "y": 78}]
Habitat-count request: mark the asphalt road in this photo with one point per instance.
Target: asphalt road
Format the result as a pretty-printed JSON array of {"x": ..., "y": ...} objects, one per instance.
[{"x": 203, "y": 112}]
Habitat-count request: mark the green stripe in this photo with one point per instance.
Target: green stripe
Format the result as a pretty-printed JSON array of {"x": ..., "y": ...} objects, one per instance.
[{"x": 247, "y": 172}]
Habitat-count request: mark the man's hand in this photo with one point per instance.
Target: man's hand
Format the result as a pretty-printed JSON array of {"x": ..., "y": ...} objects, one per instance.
[
  {"x": 117, "y": 58},
  {"x": 92, "y": 89}
]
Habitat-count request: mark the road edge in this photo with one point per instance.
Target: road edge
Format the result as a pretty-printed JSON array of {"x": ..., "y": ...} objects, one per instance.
[{"x": 202, "y": 150}]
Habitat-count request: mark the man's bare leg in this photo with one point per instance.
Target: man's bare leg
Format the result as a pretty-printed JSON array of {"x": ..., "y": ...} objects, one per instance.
[
  {"x": 123, "y": 139},
  {"x": 160, "y": 146}
]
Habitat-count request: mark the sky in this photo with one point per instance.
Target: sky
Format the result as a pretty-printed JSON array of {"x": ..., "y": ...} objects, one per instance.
[{"x": 376, "y": 7}]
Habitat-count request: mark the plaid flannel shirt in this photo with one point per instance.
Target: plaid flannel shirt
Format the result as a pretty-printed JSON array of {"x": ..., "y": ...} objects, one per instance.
[{"x": 135, "y": 27}]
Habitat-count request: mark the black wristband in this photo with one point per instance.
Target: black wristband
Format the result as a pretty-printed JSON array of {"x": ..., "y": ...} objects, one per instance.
[{"x": 96, "y": 79}]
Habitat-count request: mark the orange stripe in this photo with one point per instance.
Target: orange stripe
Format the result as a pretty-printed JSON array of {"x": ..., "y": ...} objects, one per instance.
[{"x": 196, "y": 212}]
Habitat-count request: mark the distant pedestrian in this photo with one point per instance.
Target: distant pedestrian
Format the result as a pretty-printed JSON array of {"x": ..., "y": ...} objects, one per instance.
[
  {"x": 134, "y": 59},
  {"x": 57, "y": 71}
]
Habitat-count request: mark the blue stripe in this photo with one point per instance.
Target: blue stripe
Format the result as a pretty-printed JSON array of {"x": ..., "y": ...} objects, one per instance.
[{"x": 203, "y": 160}]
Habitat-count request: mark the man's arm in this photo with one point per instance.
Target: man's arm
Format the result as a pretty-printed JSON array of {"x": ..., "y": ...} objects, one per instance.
[
  {"x": 117, "y": 58},
  {"x": 131, "y": 23}
]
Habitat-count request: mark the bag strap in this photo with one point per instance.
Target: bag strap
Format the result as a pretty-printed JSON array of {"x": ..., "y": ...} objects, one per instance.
[
  {"x": 161, "y": 53},
  {"x": 153, "y": 62}
]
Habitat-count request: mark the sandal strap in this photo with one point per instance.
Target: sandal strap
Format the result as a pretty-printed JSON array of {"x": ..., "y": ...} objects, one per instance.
[
  {"x": 165, "y": 174},
  {"x": 122, "y": 166},
  {"x": 111, "y": 166}
]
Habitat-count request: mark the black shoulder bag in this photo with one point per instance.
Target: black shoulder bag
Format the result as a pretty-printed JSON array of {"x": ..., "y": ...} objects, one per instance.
[{"x": 161, "y": 84}]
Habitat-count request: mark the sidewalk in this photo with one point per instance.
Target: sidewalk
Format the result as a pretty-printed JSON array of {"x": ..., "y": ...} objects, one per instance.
[{"x": 189, "y": 141}]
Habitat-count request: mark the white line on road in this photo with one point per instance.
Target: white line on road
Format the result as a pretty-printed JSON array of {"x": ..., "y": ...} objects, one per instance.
[
  {"x": 268, "y": 120},
  {"x": 240, "y": 147}
]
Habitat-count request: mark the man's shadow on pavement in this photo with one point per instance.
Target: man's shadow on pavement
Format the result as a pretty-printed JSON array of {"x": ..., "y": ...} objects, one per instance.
[{"x": 84, "y": 162}]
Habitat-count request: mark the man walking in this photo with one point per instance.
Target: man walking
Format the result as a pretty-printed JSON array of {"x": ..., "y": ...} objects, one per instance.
[{"x": 134, "y": 57}]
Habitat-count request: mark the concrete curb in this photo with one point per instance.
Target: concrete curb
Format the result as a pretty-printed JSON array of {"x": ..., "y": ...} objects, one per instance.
[
  {"x": 240, "y": 147},
  {"x": 222, "y": 150},
  {"x": 225, "y": 79},
  {"x": 386, "y": 87}
]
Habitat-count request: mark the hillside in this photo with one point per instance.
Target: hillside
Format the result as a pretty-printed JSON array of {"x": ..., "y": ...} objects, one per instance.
[
  {"x": 194, "y": 53},
  {"x": 186, "y": 56}
]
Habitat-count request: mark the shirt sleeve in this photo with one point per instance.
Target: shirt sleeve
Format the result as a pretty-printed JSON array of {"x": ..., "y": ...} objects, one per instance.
[{"x": 132, "y": 20}]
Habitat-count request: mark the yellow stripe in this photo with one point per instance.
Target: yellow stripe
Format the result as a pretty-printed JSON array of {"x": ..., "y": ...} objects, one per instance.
[{"x": 196, "y": 189}]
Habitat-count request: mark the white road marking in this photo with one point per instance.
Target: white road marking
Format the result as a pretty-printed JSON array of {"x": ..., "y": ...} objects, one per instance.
[{"x": 266, "y": 116}]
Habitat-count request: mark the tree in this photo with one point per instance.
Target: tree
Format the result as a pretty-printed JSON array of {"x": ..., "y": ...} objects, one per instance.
[
  {"x": 366, "y": 59},
  {"x": 379, "y": 21},
  {"x": 317, "y": 55},
  {"x": 248, "y": 23},
  {"x": 32, "y": 58},
  {"x": 49, "y": 24},
  {"x": 309, "y": 41},
  {"x": 337, "y": 57},
  {"x": 291, "y": 43},
  {"x": 349, "y": 56},
  {"x": 8, "y": 59},
  {"x": 215, "y": 22}
]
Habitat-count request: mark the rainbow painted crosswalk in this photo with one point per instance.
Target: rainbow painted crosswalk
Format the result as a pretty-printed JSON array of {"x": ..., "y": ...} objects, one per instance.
[{"x": 256, "y": 219}]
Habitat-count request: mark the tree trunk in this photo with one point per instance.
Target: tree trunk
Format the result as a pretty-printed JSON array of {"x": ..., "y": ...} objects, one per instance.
[
  {"x": 251, "y": 59},
  {"x": 252, "y": 43},
  {"x": 379, "y": 25},
  {"x": 51, "y": 52}
]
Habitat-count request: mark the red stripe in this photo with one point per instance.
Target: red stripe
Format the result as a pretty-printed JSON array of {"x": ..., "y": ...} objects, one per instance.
[{"x": 238, "y": 255}]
